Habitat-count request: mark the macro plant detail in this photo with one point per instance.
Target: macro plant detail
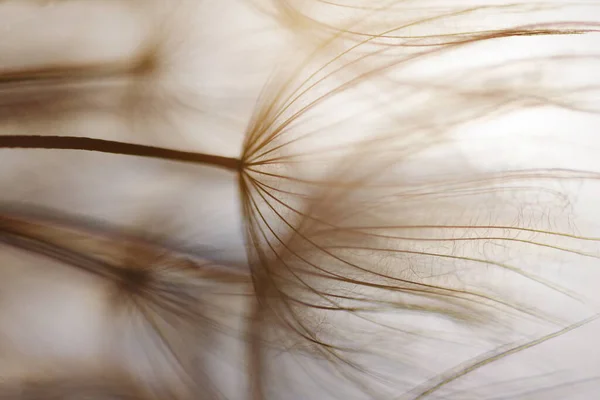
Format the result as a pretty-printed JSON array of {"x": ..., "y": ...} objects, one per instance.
[{"x": 351, "y": 216}]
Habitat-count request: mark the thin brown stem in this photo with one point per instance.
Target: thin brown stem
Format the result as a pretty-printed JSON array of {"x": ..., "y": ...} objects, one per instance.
[
  {"x": 72, "y": 73},
  {"x": 113, "y": 147}
]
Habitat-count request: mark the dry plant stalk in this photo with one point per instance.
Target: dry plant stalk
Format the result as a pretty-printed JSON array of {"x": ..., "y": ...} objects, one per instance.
[{"x": 388, "y": 250}]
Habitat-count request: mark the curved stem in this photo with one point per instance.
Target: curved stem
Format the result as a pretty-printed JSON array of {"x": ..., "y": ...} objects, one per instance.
[{"x": 113, "y": 147}]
